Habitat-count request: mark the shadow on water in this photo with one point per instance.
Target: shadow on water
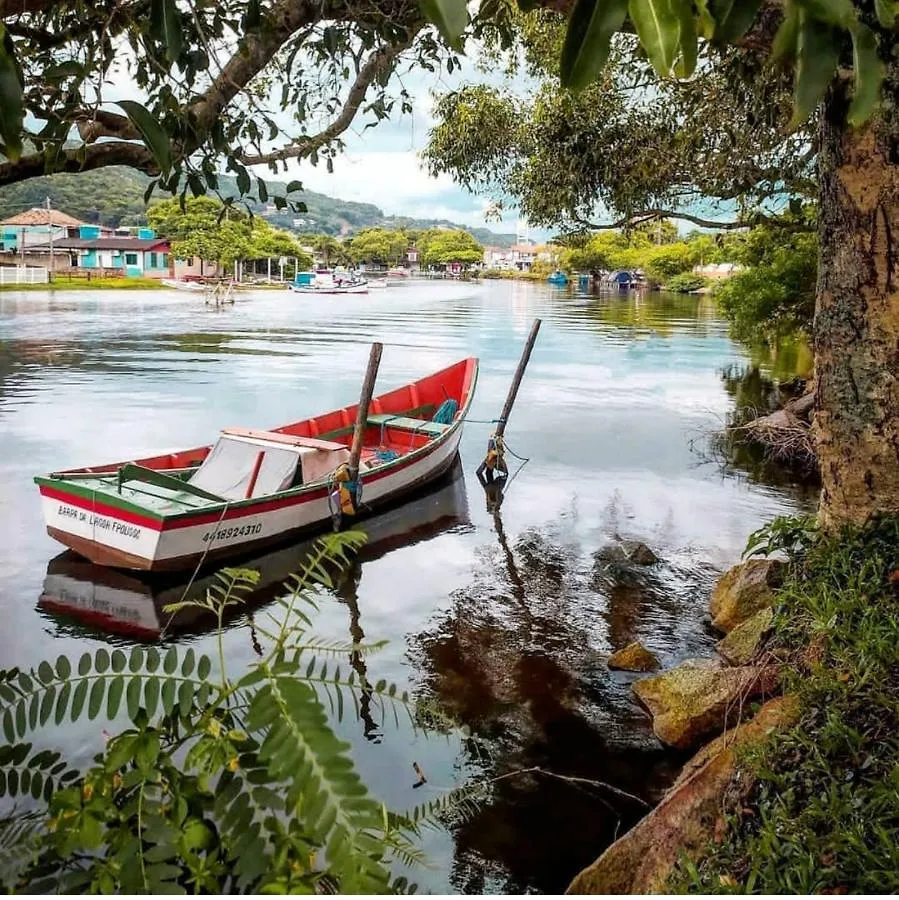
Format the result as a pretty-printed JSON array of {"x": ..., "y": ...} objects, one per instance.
[{"x": 512, "y": 660}]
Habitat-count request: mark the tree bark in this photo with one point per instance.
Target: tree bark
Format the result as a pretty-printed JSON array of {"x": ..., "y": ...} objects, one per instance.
[{"x": 857, "y": 309}]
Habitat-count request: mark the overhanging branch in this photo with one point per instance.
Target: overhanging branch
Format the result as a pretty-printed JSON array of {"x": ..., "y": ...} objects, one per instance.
[
  {"x": 97, "y": 156},
  {"x": 376, "y": 64}
]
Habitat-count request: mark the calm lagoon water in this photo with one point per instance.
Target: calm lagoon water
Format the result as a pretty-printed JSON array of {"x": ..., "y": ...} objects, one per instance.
[{"x": 496, "y": 615}]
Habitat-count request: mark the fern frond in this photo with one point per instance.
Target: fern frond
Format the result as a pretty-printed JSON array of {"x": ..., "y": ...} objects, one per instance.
[
  {"x": 38, "y": 776},
  {"x": 19, "y": 839},
  {"x": 336, "y": 809},
  {"x": 454, "y": 807},
  {"x": 100, "y": 685}
]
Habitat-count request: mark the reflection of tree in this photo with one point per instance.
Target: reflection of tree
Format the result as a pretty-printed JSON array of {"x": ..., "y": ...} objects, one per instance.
[
  {"x": 511, "y": 660},
  {"x": 664, "y": 314}
]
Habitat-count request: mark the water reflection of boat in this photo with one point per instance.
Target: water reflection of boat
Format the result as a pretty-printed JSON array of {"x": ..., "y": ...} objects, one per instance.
[{"x": 127, "y": 604}]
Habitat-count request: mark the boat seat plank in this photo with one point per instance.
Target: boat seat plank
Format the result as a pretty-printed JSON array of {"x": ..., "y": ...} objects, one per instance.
[
  {"x": 278, "y": 437},
  {"x": 404, "y": 423}
]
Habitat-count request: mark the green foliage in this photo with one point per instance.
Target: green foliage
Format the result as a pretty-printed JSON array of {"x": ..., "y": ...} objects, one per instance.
[
  {"x": 378, "y": 245},
  {"x": 823, "y": 816},
  {"x": 223, "y": 782},
  {"x": 685, "y": 283},
  {"x": 775, "y": 295},
  {"x": 206, "y": 228},
  {"x": 665, "y": 262},
  {"x": 442, "y": 246}
]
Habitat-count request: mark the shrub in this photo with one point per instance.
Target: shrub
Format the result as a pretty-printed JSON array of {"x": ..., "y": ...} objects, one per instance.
[{"x": 686, "y": 282}]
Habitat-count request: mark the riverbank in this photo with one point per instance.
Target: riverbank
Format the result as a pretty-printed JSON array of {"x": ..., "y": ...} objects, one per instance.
[
  {"x": 93, "y": 284},
  {"x": 803, "y": 798}
]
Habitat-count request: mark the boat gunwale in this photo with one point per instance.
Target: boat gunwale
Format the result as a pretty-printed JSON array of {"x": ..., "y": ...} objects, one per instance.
[{"x": 64, "y": 485}]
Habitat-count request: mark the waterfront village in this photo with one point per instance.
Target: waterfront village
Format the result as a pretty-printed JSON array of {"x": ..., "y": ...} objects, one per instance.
[{"x": 39, "y": 245}]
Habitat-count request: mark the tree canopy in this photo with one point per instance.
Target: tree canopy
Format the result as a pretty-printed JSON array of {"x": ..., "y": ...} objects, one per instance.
[
  {"x": 213, "y": 232},
  {"x": 378, "y": 245},
  {"x": 444, "y": 246}
]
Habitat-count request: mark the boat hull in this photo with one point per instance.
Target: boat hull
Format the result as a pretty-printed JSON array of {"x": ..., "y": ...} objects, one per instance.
[
  {"x": 130, "y": 543},
  {"x": 84, "y": 510},
  {"x": 303, "y": 289}
]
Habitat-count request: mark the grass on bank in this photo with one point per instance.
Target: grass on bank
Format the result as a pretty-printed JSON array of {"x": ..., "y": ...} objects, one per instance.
[
  {"x": 823, "y": 815},
  {"x": 95, "y": 284}
]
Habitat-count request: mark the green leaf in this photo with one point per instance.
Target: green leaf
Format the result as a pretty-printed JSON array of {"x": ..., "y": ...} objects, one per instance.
[
  {"x": 165, "y": 25},
  {"x": 887, "y": 12},
  {"x": 119, "y": 661},
  {"x": 136, "y": 660},
  {"x": 12, "y": 104},
  {"x": 157, "y": 141},
  {"x": 732, "y": 18},
  {"x": 47, "y": 704},
  {"x": 450, "y": 17},
  {"x": 114, "y": 698},
  {"x": 689, "y": 40},
  {"x": 45, "y": 672},
  {"x": 151, "y": 697},
  {"x": 63, "y": 668},
  {"x": 78, "y": 699},
  {"x": 817, "y": 54},
  {"x": 101, "y": 660},
  {"x": 85, "y": 663},
  {"x": 588, "y": 38},
  {"x": 168, "y": 696},
  {"x": 869, "y": 75},
  {"x": 185, "y": 697},
  {"x": 152, "y": 660},
  {"x": 96, "y": 699},
  {"x": 834, "y": 12},
  {"x": 170, "y": 663},
  {"x": 132, "y": 698},
  {"x": 9, "y": 731},
  {"x": 658, "y": 28},
  {"x": 62, "y": 704},
  {"x": 784, "y": 46},
  {"x": 294, "y": 186},
  {"x": 187, "y": 666},
  {"x": 204, "y": 667}
]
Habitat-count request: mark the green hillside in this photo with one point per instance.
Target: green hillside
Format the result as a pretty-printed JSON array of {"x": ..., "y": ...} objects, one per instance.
[{"x": 115, "y": 196}]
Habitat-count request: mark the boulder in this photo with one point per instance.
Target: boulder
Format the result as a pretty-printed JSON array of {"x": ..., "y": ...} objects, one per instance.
[
  {"x": 740, "y": 646},
  {"x": 634, "y": 658},
  {"x": 688, "y": 816},
  {"x": 638, "y": 553},
  {"x": 743, "y": 590},
  {"x": 700, "y": 698}
]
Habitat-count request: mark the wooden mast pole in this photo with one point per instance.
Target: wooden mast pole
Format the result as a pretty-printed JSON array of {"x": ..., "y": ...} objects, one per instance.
[
  {"x": 516, "y": 381},
  {"x": 368, "y": 387},
  {"x": 495, "y": 458}
]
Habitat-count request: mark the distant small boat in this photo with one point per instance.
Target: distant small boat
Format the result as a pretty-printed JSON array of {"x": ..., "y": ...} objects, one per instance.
[
  {"x": 194, "y": 287},
  {"x": 558, "y": 277},
  {"x": 397, "y": 273},
  {"x": 377, "y": 283},
  {"x": 252, "y": 488},
  {"x": 326, "y": 283}
]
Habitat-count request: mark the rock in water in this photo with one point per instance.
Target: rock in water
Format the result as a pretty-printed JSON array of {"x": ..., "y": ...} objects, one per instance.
[
  {"x": 743, "y": 590},
  {"x": 634, "y": 658},
  {"x": 740, "y": 646},
  {"x": 638, "y": 553},
  {"x": 700, "y": 698},
  {"x": 685, "y": 820}
]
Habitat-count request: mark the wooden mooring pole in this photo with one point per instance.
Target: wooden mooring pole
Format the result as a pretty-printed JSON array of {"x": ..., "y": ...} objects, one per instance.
[
  {"x": 495, "y": 459},
  {"x": 368, "y": 387}
]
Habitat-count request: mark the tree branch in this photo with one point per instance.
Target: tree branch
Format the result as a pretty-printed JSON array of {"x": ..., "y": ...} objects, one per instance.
[
  {"x": 97, "y": 156},
  {"x": 376, "y": 64},
  {"x": 652, "y": 215},
  {"x": 100, "y": 123}
]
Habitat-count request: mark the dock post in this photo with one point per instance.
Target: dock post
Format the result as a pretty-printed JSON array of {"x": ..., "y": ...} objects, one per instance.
[
  {"x": 368, "y": 387},
  {"x": 495, "y": 459}
]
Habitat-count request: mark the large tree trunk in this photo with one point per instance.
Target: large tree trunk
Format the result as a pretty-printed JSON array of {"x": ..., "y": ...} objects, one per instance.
[{"x": 857, "y": 313}]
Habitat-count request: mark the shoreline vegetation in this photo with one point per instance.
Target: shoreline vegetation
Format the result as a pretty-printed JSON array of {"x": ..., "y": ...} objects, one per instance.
[{"x": 798, "y": 794}]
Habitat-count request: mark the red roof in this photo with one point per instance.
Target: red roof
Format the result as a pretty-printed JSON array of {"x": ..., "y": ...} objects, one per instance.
[{"x": 39, "y": 216}]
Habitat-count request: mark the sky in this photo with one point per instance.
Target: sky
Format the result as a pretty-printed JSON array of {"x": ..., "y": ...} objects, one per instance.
[{"x": 381, "y": 165}]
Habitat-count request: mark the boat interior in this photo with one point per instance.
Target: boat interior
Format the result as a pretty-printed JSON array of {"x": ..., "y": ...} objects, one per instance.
[{"x": 248, "y": 463}]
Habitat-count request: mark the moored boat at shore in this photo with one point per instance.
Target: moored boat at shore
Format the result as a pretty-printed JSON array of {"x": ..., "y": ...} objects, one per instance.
[{"x": 253, "y": 488}]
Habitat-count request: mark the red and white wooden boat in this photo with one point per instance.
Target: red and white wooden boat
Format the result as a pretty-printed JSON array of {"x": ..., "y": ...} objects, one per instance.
[{"x": 254, "y": 488}]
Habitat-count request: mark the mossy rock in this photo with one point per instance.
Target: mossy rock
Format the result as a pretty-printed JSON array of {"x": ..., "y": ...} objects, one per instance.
[
  {"x": 684, "y": 823},
  {"x": 700, "y": 698},
  {"x": 742, "y": 644},
  {"x": 634, "y": 658},
  {"x": 744, "y": 590}
]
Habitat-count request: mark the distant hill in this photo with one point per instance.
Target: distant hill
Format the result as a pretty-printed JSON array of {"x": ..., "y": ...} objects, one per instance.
[{"x": 115, "y": 196}]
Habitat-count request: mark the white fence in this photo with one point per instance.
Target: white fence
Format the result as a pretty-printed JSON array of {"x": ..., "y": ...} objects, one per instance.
[{"x": 24, "y": 275}]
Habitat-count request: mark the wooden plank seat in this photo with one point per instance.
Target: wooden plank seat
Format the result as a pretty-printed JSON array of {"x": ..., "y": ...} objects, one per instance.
[
  {"x": 404, "y": 423},
  {"x": 277, "y": 437}
]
